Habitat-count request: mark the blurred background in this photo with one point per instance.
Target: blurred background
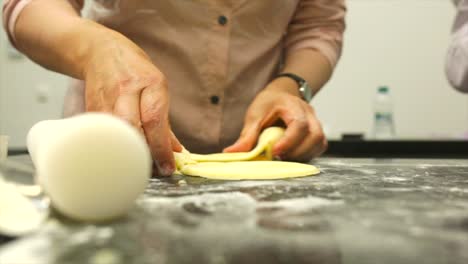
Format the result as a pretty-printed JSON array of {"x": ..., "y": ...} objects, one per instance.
[{"x": 400, "y": 44}]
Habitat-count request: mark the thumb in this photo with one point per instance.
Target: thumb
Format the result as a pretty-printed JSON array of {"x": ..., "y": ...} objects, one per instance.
[
  {"x": 247, "y": 139},
  {"x": 176, "y": 145}
]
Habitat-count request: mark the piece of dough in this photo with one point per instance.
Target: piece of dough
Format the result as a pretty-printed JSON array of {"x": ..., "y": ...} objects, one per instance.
[
  {"x": 263, "y": 150},
  {"x": 92, "y": 166},
  {"x": 249, "y": 170},
  {"x": 18, "y": 216},
  {"x": 254, "y": 165}
]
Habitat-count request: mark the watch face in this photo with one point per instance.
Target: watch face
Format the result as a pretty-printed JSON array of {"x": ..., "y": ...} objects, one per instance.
[{"x": 306, "y": 92}]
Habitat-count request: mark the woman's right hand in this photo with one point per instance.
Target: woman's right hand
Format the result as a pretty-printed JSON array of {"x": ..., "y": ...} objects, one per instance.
[{"x": 121, "y": 79}]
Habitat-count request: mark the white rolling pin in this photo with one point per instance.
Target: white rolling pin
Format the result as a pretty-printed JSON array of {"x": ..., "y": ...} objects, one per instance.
[{"x": 92, "y": 166}]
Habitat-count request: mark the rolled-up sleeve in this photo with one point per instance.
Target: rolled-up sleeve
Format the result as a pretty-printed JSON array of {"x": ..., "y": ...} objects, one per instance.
[
  {"x": 456, "y": 66},
  {"x": 12, "y": 9},
  {"x": 319, "y": 25}
]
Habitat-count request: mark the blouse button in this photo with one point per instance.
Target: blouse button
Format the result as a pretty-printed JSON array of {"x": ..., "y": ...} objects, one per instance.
[
  {"x": 214, "y": 99},
  {"x": 222, "y": 20}
]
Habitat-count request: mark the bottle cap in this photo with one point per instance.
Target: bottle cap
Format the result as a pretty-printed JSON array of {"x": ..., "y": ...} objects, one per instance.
[{"x": 383, "y": 89}]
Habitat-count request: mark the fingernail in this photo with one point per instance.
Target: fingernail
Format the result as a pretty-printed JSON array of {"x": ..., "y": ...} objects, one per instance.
[{"x": 167, "y": 169}]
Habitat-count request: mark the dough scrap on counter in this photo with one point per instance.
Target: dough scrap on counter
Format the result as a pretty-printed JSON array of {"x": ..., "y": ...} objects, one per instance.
[{"x": 254, "y": 165}]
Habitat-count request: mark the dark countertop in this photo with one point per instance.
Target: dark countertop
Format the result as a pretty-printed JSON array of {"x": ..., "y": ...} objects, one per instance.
[
  {"x": 398, "y": 148},
  {"x": 356, "y": 211},
  {"x": 357, "y": 147}
]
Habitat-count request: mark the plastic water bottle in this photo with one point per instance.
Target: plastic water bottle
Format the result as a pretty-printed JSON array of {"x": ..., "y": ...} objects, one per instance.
[{"x": 384, "y": 127}]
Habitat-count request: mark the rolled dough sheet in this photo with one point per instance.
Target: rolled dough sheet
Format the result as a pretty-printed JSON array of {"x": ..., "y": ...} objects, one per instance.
[
  {"x": 263, "y": 150},
  {"x": 249, "y": 170},
  {"x": 254, "y": 165}
]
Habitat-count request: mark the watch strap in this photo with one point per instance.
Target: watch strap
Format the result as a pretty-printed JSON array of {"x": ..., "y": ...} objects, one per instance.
[
  {"x": 303, "y": 87},
  {"x": 300, "y": 81}
]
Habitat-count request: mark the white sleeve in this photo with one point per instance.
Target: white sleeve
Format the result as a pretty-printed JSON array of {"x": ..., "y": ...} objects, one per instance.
[{"x": 456, "y": 66}]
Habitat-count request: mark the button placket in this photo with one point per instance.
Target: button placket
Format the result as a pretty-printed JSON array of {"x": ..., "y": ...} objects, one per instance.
[
  {"x": 215, "y": 69},
  {"x": 215, "y": 98}
]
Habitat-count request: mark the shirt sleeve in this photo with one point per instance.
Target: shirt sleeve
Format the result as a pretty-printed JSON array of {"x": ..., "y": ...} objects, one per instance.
[
  {"x": 319, "y": 25},
  {"x": 13, "y": 8},
  {"x": 456, "y": 66}
]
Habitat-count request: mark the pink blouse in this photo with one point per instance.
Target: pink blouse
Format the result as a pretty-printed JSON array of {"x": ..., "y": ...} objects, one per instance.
[{"x": 217, "y": 55}]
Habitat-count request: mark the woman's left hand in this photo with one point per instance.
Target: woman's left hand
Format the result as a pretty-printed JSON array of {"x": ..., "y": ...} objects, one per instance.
[{"x": 280, "y": 102}]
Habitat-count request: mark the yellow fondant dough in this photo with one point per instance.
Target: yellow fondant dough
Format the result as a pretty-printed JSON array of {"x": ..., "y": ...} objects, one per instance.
[
  {"x": 249, "y": 170},
  {"x": 254, "y": 165}
]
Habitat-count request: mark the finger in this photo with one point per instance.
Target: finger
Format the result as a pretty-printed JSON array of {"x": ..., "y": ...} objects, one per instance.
[
  {"x": 296, "y": 130},
  {"x": 127, "y": 107},
  {"x": 154, "y": 117},
  {"x": 247, "y": 139},
  {"x": 155, "y": 170},
  {"x": 254, "y": 122},
  {"x": 176, "y": 145},
  {"x": 317, "y": 150},
  {"x": 321, "y": 148},
  {"x": 314, "y": 144}
]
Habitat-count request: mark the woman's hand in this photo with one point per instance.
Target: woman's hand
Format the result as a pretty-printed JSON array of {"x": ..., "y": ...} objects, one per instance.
[
  {"x": 280, "y": 101},
  {"x": 121, "y": 79}
]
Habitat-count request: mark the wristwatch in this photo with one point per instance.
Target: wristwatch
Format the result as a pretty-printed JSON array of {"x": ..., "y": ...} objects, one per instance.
[{"x": 304, "y": 88}]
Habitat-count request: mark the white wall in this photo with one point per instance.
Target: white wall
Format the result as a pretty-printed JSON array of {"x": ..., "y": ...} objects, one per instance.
[
  {"x": 399, "y": 43},
  {"x": 402, "y": 44},
  {"x": 28, "y": 93}
]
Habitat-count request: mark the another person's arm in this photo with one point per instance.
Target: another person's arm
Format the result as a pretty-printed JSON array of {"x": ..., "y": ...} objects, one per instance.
[
  {"x": 456, "y": 66},
  {"x": 120, "y": 78},
  {"x": 313, "y": 46}
]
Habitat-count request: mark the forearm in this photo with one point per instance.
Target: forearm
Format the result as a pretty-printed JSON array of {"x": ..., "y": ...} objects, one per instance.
[
  {"x": 309, "y": 64},
  {"x": 58, "y": 39},
  {"x": 314, "y": 41}
]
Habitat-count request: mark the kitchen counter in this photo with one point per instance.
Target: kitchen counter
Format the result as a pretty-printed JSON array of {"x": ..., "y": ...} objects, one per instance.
[
  {"x": 355, "y": 211},
  {"x": 398, "y": 148},
  {"x": 357, "y": 147}
]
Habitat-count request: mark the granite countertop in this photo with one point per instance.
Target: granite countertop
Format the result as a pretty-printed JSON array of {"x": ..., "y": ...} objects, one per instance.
[{"x": 356, "y": 211}]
